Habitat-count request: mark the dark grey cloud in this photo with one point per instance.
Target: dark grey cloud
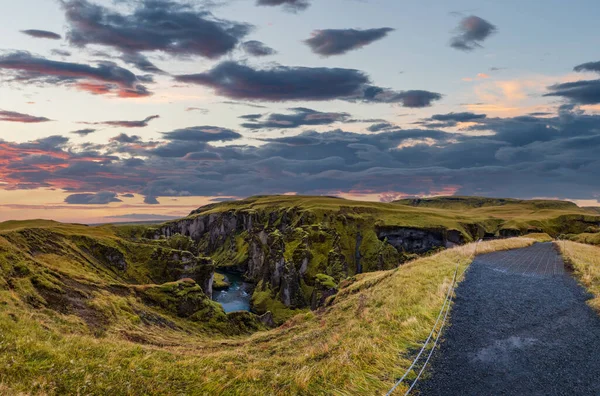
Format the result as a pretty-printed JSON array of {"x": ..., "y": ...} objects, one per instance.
[
  {"x": 252, "y": 117},
  {"x": 154, "y": 25},
  {"x": 527, "y": 156},
  {"x": 141, "y": 62},
  {"x": 105, "y": 78},
  {"x": 84, "y": 132},
  {"x": 123, "y": 138},
  {"x": 301, "y": 117},
  {"x": 127, "y": 195},
  {"x": 60, "y": 52},
  {"x": 13, "y": 116},
  {"x": 578, "y": 92},
  {"x": 589, "y": 66},
  {"x": 458, "y": 117},
  {"x": 99, "y": 198},
  {"x": 127, "y": 124},
  {"x": 290, "y": 5},
  {"x": 44, "y": 34},
  {"x": 285, "y": 83},
  {"x": 472, "y": 31},
  {"x": 257, "y": 48},
  {"x": 328, "y": 42},
  {"x": 382, "y": 126},
  {"x": 150, "y": 200},
  {"x": 203, "y": 134}
]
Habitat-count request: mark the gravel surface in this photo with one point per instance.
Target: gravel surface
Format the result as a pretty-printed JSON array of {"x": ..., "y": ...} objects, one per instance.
[{"x": 520, "y": 326}]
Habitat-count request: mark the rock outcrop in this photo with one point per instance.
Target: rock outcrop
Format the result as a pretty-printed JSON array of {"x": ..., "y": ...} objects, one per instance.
[
  {"x": 416, "y": 240},
  {"x": 283, "y": 249}
]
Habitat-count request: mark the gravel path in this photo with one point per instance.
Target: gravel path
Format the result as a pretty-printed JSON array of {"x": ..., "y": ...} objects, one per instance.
[{"x": 519, "y": 326}]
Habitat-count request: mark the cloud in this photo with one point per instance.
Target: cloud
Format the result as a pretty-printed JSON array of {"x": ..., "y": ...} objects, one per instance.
[
  {"x": 472, "y": 31},
  {"x": 579, "y": 92},
  {"x": 290, "y": 5},
  {"x": 150, "y": 200},
  {"x": 257, "y": 48},
  {"x": 99, "y": 198},
  {"x": 13, "y": 116},
  {"x": 59, "y": 52},
  {"x": 330, "y": 42},
  {"x": 198, "y": 109},
  {"x": 106, "y": 78},
  {"x": 589, "y": 66},
  {"x": 141, "y": 62},
  {"x": 382, "y": 126},
  {"x": 123, "y": 138},
  {"x": 252, "y": 117},
  {"x": 84, "y": 132},
  {"x": 458, "y": 117},
  {"x": 285, "y": 83},
  {"x": 528, "y": 156},
  {"x": 171, "y": 27},
  {"x": 44, "y": 34},
  {"x": 301, "y": 117},
  {"x": 126, "y": 124},
  {"x": 128, "y": 195},
  {"x": 202, "y": 134}
]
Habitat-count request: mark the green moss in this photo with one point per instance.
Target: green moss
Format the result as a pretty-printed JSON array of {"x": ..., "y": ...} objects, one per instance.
[
  {"x": 263, "y": 302},
  {"x": 220, "y": 282},
  {"x": 326, "y": 281}
]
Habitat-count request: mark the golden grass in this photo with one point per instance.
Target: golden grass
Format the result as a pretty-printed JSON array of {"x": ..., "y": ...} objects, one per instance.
[
  {"x": 585, "y": 261},
  {"x": 360, "y": 344}
]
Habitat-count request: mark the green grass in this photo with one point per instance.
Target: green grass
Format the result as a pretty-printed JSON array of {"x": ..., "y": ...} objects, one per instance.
[
  {"x": 585, "y": 262},
  {"x": 359, "y": 344}
]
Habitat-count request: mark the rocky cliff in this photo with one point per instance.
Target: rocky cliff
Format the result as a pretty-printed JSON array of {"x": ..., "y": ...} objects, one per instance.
[{"x": 283, "y": 249}]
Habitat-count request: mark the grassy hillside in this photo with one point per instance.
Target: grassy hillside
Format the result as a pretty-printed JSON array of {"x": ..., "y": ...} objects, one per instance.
[
  {"x": 91, "y": 281},
  {"x": 585, "y": 262},
  {"x": 359, "y": 344}
]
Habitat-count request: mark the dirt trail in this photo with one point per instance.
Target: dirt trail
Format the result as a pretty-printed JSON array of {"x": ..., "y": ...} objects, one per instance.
[{"x": 520, "y": 326}]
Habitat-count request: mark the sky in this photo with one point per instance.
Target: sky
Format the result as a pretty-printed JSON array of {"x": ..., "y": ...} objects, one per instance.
[{"x": 133, "y": 110}]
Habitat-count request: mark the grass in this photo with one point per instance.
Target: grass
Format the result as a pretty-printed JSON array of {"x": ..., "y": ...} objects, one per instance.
[
  {"x": 585, "y": 262},
  {"x": 359, "y": 344}
]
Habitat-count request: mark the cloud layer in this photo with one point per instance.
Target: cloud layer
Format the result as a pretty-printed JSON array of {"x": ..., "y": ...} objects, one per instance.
[{"x": 525, "y": 156}]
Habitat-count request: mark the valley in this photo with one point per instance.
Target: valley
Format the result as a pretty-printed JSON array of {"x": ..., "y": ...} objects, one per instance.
[{"x": 297, "y": 295}]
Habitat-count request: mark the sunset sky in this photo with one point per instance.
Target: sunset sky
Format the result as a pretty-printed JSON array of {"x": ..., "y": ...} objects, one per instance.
[{"x": 120, "y": 110}]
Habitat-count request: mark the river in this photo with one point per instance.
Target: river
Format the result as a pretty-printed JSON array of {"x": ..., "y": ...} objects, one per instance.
[{"x": 237, "y": 296}]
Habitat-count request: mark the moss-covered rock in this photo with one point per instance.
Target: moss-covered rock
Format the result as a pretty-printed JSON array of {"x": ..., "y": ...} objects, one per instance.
[{"x": 325, "y": 287}]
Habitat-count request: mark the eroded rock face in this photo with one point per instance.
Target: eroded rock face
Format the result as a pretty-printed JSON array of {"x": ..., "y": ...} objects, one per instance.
[
  {"x": 415, "y": 240},
  {"x": 172, "y": 265},
  {"x": 254, "y": 242}
]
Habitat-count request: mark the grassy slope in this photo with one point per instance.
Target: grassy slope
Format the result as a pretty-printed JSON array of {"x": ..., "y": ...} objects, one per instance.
[
  {"x": 61, "y": 272},
  {"x": 585, "y": 261},
  {"x": 357, "y": 345}
]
